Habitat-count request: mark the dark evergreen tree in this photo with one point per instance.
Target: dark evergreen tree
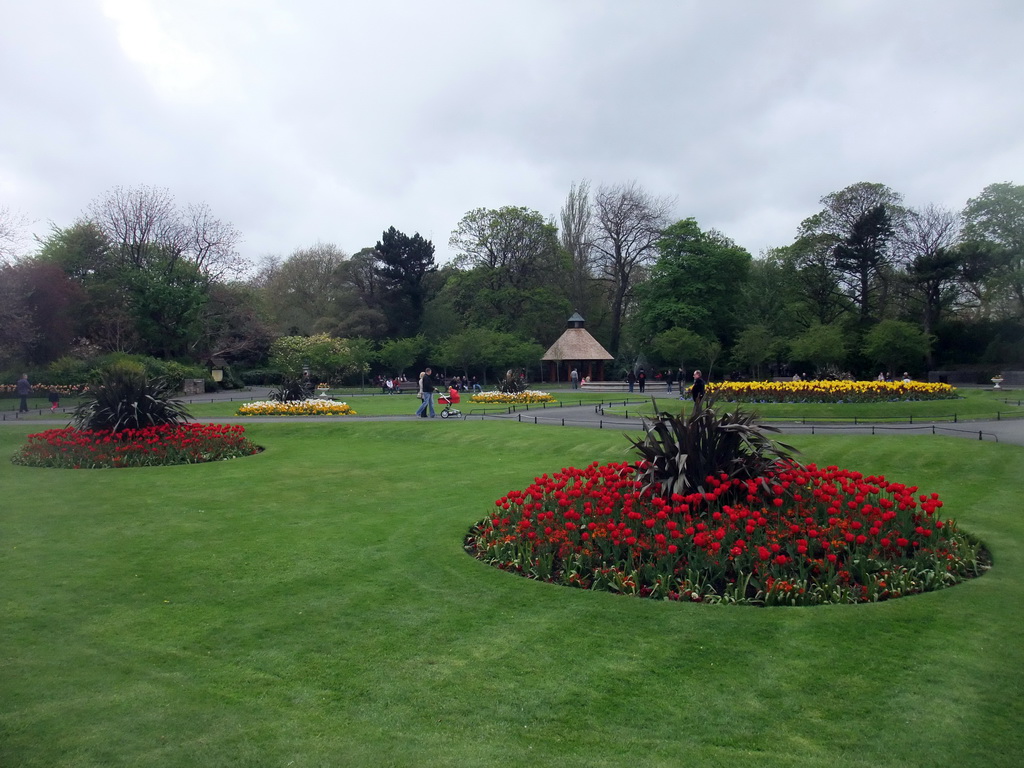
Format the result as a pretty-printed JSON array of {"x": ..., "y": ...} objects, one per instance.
[
  {"x": 402, "y": 264},
  {"x": 861, "y": 259}
]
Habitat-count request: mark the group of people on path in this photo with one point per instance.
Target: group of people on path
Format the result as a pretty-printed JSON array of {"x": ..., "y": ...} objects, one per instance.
[
  {"x": 427, "y": 388},
  {"x": 23, "y": 389},
  {"x": 638, "y": 380}
]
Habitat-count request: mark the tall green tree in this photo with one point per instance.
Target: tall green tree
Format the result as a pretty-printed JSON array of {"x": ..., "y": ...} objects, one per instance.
[
  {"x": 822, "y": 301},
  {"x": 326, "y": 357},
  {"x": 897, "y": 345},
  {"x": 854, "y": 230},
  {"x": 695, "y": 284},
  {"x": 18, "y": 330},
  {"x": 861, "y": 258},
  {"x": 771, "y": 294},
  {"x": 682, "y": 348},
  {"x": 307, "y": 293},
  {"x": 755, "y": 346},
  {"x": 997, "y": 216},
  {"x": 509, "y": 261},
  {"x": 823, "y": 346},
  {"x": 399, "y": 355},
  {"x": 84, "y": 253},
  {"x": 402, "y": 264}
]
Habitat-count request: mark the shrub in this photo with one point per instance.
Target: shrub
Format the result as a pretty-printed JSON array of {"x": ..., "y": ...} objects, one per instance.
[
  {"x": 260, "y": 376},
  {"x": 680, "y": 451},
  {"x": 124, "y": 397},
  {"x": 292, "y": 389},
  {"x": 68, "y": 371}
]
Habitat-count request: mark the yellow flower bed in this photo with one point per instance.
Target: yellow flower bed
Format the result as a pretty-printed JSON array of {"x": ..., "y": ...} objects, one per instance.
[
  {"x": 310, "y": 407},
  {"x": 524, "y": 398},
  {"x": 829, "y": 391}
]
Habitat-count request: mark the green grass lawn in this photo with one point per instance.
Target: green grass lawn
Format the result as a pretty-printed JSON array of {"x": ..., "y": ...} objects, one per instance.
[
  {"x": 365, "y": 404},
  {"x": 313, "y": 606},
  {"x": 972, "y": 404}
]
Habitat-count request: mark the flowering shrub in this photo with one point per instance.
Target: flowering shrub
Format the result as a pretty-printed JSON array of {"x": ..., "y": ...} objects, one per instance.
[
  {"x": 526, "y": 397},
  {"x": 828, "y": 391},
  {"x": 307, "y": 407},
  {"x": 72, "y": 448},
  {"x": 797, "y": 536},
  {"x": 64, "y": 390}
]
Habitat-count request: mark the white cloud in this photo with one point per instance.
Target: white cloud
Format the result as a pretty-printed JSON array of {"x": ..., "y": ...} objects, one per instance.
[{"x": 332, "y": 121}]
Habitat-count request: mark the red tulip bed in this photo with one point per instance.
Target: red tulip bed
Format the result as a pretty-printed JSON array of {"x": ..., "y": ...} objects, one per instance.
[
  {"x": 193, "y": 443},
  {"x": 801, "y": 536}
]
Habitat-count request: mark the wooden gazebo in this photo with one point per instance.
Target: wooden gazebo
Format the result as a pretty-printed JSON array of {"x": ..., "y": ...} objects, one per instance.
[{"x": 576, "y": 348}]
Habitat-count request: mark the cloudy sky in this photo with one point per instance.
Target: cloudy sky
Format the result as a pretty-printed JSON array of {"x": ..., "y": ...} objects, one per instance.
[{"x": 305, "y": 121}]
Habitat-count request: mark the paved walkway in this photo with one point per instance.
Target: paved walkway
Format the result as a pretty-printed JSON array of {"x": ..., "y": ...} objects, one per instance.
[{"x": 1004, "y": 431}]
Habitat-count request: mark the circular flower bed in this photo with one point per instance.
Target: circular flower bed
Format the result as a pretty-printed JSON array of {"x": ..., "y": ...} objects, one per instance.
[
  {"x": 308, "y": 407},
  {"x": 829, "y": 391},
  {"x": 71, "y": 448},
  {"x": 799, "y": 536},
  {"x": 527, "y": 397}
]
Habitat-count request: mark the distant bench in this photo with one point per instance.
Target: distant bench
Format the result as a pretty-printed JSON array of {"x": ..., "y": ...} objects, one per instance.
[{"x": 655, "y": 385}]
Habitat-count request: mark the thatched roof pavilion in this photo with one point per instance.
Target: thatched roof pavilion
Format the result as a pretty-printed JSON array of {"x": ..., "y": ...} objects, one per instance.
[{"x": 576, "y": 348}]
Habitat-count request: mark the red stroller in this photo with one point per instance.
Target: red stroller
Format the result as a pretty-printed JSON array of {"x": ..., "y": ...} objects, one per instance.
[{"x": 448, "y": 401}]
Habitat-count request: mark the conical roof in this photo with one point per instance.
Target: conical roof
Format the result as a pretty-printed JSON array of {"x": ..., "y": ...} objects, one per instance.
[{"x": 576, "y": 344}]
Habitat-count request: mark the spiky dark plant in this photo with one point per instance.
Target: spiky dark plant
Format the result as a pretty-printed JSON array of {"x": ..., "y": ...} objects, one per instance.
[
  {"x": 292, "y": 389},
  {"x": 124, "y": 397},
  {"x": 682, "y": 450},
  {"x": 510, "y": 386}
]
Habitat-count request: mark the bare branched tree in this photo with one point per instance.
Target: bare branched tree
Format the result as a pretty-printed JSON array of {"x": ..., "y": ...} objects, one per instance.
[
  {"x": 927, "y": 245},
  {"x": 12, "y": 234},
  {"x": 627, "y": 224},
  {"x": 210, "y": 243},
  {"x": 576, "y": 218},
  {"x": 144, "y": 223}
]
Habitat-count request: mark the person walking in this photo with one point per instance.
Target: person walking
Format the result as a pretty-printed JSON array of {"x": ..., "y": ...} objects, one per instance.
[
  {"x": 699, "y": 385},
  {"x": 669, "y": 378},
  {"x": 641, "y": 379},
  {"x": 23, "y": 389},
  {"x": 427, "y": 393}
]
